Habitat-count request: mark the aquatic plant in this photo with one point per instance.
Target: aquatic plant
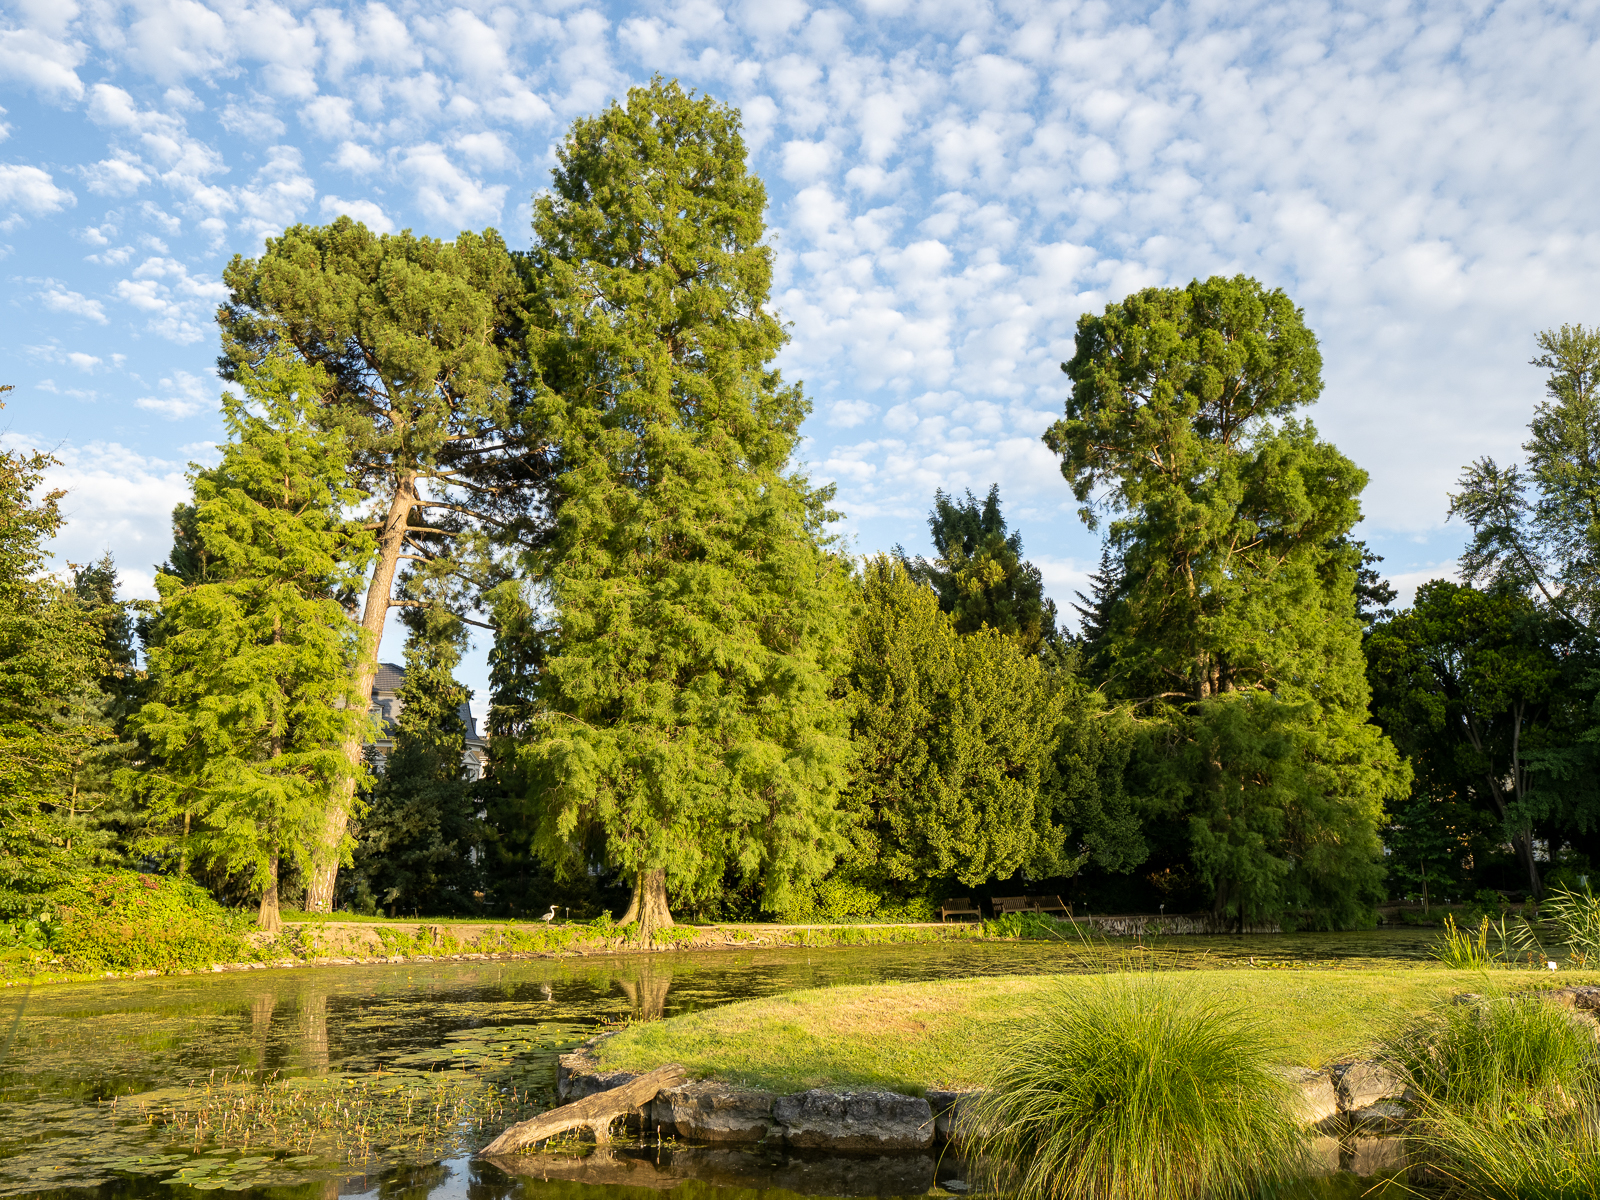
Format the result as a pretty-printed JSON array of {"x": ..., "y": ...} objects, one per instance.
[
  {"x": 1140, "y": 1086},
  {"x": 1038, "y": 926},
  {"x": 1506, "y": 1097},
  {"x": 1521, "y": 1155}
]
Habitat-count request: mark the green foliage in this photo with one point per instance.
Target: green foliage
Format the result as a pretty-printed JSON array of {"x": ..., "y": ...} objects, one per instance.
[
  {"x": 125, "y": 921},
  {"x": 980, "y": 574},
  {"x": 1488, "y": 1056},
  {"x": 414, "y": 841},
  {"x": 251, "y": 678},
  {"x": 1140, "y": 1087},
  {"x": 1040, "y": 927},
  {"x": 1576, "y": 918},
  {"x": 688, "y": 724},
  {"x": 1471, "y": 684},
  {"x": 954, "y": 738},
  {"x": 1518, "y": 1155},
  {"x": 1228, "y": 611},
  {"x": 50, "y": 721},
  {"x": 416, "y": 350},
  {"x": 1549, "y": 539}
]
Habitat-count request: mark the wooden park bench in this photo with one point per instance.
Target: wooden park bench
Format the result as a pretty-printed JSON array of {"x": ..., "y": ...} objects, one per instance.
[
  {"x": 960, "y": 908},
  {"x": 1029, "y": 904}
]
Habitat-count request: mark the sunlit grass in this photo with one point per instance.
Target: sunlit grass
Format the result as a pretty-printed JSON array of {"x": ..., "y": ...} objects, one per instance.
[{"x": 1138, "y": 1087}]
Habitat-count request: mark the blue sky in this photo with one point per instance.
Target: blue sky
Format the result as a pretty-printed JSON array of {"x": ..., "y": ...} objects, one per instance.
[{"x": 952, "y": 183}]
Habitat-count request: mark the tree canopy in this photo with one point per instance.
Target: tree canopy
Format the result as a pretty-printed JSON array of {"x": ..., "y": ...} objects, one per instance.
[
  {"x": 415, "y": 349},
  {"x": 698, "y": 619}
]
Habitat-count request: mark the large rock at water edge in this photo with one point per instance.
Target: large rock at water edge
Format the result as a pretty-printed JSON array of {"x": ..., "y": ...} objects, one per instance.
[{"x": 854, "y": 1121}]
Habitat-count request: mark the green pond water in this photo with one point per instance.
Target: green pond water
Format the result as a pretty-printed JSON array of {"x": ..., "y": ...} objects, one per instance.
[{"x": 382, "y": 1080}]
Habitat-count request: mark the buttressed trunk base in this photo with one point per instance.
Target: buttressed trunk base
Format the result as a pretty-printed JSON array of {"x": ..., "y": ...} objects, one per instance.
[
  {"x": 648, "y": 907},
  {"x": 269, "y": 921}
]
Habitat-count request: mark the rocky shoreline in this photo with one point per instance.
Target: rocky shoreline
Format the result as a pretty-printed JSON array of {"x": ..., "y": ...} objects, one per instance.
[{"x": 1346, "y": 1104}]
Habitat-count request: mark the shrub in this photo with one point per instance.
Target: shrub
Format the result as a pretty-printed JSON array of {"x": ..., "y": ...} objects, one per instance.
[
  {"x": 1482, "y": 1058},
  {"x": 125, "y": 921},
  {"x": 1140, "y": 1086}
]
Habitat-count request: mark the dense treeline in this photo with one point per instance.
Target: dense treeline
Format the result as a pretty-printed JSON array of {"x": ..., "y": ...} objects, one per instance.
[{"x": 700, "y": 701}]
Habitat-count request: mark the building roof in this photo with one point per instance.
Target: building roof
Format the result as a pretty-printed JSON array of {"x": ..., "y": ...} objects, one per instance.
[{"x": 390, "y": 677}]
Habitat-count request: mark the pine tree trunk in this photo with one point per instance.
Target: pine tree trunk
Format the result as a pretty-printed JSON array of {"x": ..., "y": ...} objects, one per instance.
[
  {"x": 648, "y": 906},
  {"x": 269, "y": 921},
  {"x": 391, "y": 543}
]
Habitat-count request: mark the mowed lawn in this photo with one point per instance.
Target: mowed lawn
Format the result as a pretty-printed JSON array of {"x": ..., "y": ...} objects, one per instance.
[{"x": 911, "y": 1036}]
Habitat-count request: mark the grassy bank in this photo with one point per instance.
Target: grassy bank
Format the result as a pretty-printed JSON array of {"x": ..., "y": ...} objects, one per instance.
[
  {"x": 141, "y": 945},
  {"x": 915, "y": 1035}
]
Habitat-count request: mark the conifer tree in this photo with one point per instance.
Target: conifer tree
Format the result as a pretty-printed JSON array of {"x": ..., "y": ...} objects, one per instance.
[
  {"x": 1235, "y": 631},
  {"x": 980, "y": 574},
  {"x": 49, "y": 645},
  {"x": 252, "y": 698},
  {"x": 416, "y": 842},
  {"x": 417, "y": 349},
  {"x": 697, "y": 619},
  {"x": 954, "y": 736}
]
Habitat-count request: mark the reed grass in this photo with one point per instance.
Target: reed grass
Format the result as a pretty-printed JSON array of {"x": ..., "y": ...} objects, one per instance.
[{"x": 1141, "y": 1086}]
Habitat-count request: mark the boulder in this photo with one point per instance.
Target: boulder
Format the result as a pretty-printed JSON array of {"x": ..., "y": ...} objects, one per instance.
[
  {"x": 853, "y": 1121},
  {"x": 1316, "y": 1100},
  {"x": 1377, "y": 1155},
  {"x": 947, "y": 1112},
  {"x": 1585, "y": 999},
  {"x": 706, "y": 1111},
  {"x": 1386, "y": 1116},
  {"x": 1362, "y": 1084},
  {"x": 576, "y": 1078}
]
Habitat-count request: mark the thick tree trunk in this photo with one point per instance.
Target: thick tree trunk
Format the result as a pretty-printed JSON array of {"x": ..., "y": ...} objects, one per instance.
[
  {"x": 1523, "y": 844},
  {"x": 268, "y": 921},
  {"x": 648, "y": 907},
  {"x": 391, "y": 544}
]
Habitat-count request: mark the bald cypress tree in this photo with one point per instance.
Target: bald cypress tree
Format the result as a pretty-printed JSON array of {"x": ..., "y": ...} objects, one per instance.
[
  {"x": 252, "y": 700},
  {"x": 698, "y": 621}
]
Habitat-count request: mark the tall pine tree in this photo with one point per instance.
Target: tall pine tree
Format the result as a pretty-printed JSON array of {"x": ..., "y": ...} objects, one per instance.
[
  {"x": 698, "y": 620},
  {"x": 252, "y": 698}
]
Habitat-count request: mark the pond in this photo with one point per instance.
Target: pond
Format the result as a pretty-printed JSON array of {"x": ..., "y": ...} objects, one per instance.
[{"x": 384, "y": 1078}]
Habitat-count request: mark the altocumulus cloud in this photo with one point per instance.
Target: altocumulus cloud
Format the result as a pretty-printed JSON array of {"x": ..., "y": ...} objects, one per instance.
[{"x": 951, "y": 186}]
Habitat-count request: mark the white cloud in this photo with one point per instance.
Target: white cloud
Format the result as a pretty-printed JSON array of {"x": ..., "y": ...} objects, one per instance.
[
  {"x": 28, "y": 191},
  {"x": 448, "y": 194},
  {"x": 365, "y": 211},
  {"x": 57, "y": 297},
  {"x": 358, "y": 160},
  {"x": 47, "y": 64},
  {"x": 179, "y": 304},
  {"x": 120, "y": 175},
  {"x": 185, "y": 395},
  {"x": 117, "y": 499}
]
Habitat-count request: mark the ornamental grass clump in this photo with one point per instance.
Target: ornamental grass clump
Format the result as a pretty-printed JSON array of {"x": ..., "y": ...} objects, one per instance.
[
  {"x": 1507, "y": 1097},
  {"x": 1481, "y": 1057},
  {"x": 1138, "y": 1086}
]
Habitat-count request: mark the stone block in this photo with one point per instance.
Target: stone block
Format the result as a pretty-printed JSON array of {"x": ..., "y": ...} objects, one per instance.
[
  {"x": 947, "y": 1112},
  {"x": 1386, "y": 1116},
  {"x": 1316, "y": 1100},
  {"x": 854, "y": 1121},
  {"x": 706, "y": 1111}
]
